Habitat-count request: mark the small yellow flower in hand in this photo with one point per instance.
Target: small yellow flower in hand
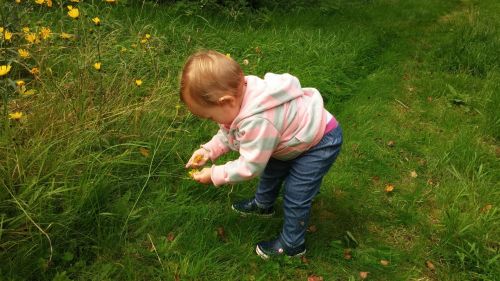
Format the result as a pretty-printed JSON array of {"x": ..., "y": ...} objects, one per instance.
[
  {"x": 198, "y": 158},
  {"x": 192, "y": 172}
]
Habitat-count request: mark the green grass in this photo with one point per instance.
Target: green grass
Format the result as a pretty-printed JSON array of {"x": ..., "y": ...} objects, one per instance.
[{"x": 79, "y": 201}]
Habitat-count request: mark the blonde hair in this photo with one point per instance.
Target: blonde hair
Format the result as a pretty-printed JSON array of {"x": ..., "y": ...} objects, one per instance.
[{"x": 208, "y": 75}]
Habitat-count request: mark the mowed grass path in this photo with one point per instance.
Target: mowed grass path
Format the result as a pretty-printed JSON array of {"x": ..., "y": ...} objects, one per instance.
[{"x": 415, "y": 86}]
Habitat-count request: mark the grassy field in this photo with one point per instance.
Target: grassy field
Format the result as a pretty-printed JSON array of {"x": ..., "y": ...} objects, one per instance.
[{"x": 92, "y": 184}]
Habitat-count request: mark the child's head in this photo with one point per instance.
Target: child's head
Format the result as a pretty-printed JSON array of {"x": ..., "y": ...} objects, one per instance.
[{"x": 212, "y": 86}]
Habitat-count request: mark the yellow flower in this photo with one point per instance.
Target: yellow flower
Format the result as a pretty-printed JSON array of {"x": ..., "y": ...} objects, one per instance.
[
  {"x": 26, "y": 29},
  {"x": 192, "y": 172},
  {"x": 25, "y": 92},
  {"x": 4, "y": 69},
  {"x": 96, "y": 21},
  {"x": 110, "y": 1},
  {"x": 16, "y": 115},
  {"x": 1, "y": 29},
  {"x": 45, "y": 33},
  {"x": 144, "y": 41},
  {"x": 74, "y": 1},
  {"x": 97, "y": 66},
  {"x": 18, "y": 1},
  {"x": 73, "y": 12},
  {"x": 23, "y": 53},
  {"x": 20, "y": 83},
  {"x": 8, "y": 35},
  {"x": 35, "y": 71},
  {"x": 31, "y": 37},
  {"x": 39, "y": 2},
  {"x": 65, "y": 35},
  {"x": 138, "y": 82},
  {"x": 49, "y": 3},
  {"x": 228, "y": 55},
  {"x": 147, "y": 36}
]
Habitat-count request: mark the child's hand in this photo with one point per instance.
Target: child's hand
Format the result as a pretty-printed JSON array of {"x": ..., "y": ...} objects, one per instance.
[
  {"x": 203, "y": 176},
  {"x": 198, "y": 159}
]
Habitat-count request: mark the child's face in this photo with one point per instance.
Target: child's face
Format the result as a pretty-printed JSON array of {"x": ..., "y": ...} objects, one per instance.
[{"x": 223, "y": 113}]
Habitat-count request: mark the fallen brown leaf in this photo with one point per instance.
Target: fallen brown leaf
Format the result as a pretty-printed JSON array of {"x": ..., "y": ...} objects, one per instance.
[
  {"x": 221, "y": 233},
  {"x": 413, "y": 174},
  {"x": 144, "y": 151},
  {"x": 170, "y": 236},
  {"x": 347, "y": 254},
  {"x": 314, "y": 278},
  {"x": 430, "y": 265},
  {"x": 312, "y": 228},
  {"x": 363, "y": 275},
  {"x": 391, "y": 143},
  {"x": 384, "y": 262},
  {"x": 486, "y": 208},
  {"x": 304, "y": 260},
  {"x": 389, "y": 188}
]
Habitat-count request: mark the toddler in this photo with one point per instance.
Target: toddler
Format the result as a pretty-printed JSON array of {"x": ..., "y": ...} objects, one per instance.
[{"x": 281, "y": 131}]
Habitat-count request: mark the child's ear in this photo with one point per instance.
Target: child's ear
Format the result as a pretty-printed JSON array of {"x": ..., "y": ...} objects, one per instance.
[{"x": 226, "y": 99}]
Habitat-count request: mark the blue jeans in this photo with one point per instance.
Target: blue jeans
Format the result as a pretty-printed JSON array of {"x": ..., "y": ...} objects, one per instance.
[{"x": 302, "y": 177}]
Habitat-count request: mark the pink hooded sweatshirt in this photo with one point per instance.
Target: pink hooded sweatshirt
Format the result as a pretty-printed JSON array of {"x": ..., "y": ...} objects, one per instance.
[{"x": 277, "y": 119}]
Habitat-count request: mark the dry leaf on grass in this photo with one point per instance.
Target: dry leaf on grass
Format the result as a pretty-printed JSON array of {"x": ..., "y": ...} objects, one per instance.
[
  {"x": 170, "y": 236},
  {"x": 430, "y": 265},
  {"x": 486, "y": 208},
  {"x": 221, "y": 233},
  {"x": 413, "y": 174},
  {"x": 144, "y": 151},
  {"x": 304, "y": 260},
  {"x": 314, "y": 278},
  {"x": 389, "y": 188},
  {"x": 312, "y": 228},
  {"x": 347, "y": 254},
  {"x": 363, "y": 275},
  {"x": 384, "y": 262}
]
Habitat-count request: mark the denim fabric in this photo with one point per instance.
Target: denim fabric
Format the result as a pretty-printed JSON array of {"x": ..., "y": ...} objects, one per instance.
[{"x": 302, "y": 178}]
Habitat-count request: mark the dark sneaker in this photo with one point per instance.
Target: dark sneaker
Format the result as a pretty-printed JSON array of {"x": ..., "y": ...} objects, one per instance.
[
  {"x": 249, "y": 207},
  {"x": 277, "y": 247}
]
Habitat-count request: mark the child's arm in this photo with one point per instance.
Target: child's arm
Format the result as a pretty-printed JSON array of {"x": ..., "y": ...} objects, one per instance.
[
  {"x": 217, "y": 146},
  {"x": 258, "y": 140}
]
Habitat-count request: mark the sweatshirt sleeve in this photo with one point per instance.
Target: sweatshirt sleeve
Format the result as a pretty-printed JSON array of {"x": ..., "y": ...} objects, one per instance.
[
  {"x": 257, "y": 140},
  {"x": 217, "y": 146}
]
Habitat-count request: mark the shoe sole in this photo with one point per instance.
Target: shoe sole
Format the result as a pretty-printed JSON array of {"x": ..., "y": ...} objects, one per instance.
[
  {"x": 261, "y": 254},
  {"x": 252, "y": 214}
]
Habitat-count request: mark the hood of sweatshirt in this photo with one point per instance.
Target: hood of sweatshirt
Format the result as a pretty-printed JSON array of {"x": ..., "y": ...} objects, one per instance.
[{"x": 264, "y": 94}]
